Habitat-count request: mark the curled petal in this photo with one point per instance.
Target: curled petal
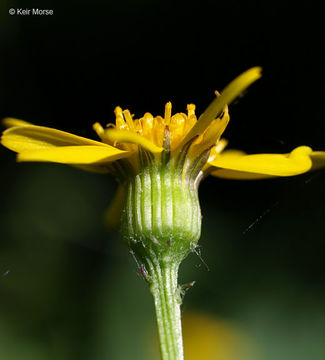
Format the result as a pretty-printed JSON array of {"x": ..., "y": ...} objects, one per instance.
[
  {"x": 236, "y": 165},
  {"x": 75, "y": 155},
  {"x": 121, "y": 136}
]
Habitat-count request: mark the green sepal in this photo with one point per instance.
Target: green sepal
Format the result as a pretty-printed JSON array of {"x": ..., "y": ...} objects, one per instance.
[{"x": 162, "y": 216}]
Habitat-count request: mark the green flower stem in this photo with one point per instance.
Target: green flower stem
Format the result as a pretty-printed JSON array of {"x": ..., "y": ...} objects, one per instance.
[
  {"x": 163, "y": 286},
  {"x": 161, "y": 224}
]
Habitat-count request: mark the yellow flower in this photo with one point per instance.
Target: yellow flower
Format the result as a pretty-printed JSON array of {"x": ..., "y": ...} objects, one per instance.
[
  {"x": 123, "y": 139},
  {"x": 181, "y": 137},
  {"x": 159, "y": 163}
]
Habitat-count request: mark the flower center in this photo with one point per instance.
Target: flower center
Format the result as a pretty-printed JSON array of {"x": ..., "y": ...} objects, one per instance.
[
  {"x": 153, "y": 128},
  {"x": 150, "y": 131}
]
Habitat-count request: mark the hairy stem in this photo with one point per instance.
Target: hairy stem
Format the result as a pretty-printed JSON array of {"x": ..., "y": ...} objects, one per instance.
[{"x": 163, "y": 286}]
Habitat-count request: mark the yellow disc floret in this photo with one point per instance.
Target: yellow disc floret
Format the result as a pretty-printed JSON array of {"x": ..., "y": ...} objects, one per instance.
[{"x": 150, "y": 131}]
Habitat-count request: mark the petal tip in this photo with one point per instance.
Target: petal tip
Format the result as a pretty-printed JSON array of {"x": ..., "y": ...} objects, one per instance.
[{"x": 9, "y": 122}]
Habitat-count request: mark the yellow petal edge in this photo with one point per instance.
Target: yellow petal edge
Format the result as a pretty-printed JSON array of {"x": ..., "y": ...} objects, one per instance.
[{"x": 259, "y": 166}]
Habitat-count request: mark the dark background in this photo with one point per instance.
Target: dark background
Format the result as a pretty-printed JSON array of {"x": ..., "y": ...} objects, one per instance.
[{"x": 73, "y": 291}]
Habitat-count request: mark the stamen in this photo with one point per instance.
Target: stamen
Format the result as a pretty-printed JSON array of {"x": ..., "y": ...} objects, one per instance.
[
  {"x": 118, "y": 111},
  {"x": 190, "y": 110},
  {"x": 128, "y": 118},
  {"x": 158, "y": 130},
  {"x": 120, "y": 122},
  {"x": 99, "y": 130},
  {"x": 191, "y": 121},
  {"x": 168, "y": 112},
  {"x": 147, "y": 126}
]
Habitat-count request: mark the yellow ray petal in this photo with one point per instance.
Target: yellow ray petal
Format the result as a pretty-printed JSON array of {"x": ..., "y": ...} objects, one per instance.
[
  {"x": 228, "y": 94},
  {"x": 232, "y": 153},
  {"x": 121, "y": 136},
  {"x": 76, "y": 155},
  {"x": 239, "y": 175},
  {"x": 211, "y": 135},
  {"x": 10, "y": 122},
  {"x": 240, "y": 166},
  {"x": 114, "y": 211},
  {"x": 318, "y": 159},
  {"x": 31, "y": 137}
]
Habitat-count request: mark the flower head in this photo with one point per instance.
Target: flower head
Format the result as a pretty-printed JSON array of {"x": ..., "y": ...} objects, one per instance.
[
  {"x": 123, "y": 140},
  {"x": 160, "y": 162}
]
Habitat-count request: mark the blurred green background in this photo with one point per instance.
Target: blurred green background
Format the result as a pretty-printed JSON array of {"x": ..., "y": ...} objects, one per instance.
[{"x": 72, "y": 290}]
